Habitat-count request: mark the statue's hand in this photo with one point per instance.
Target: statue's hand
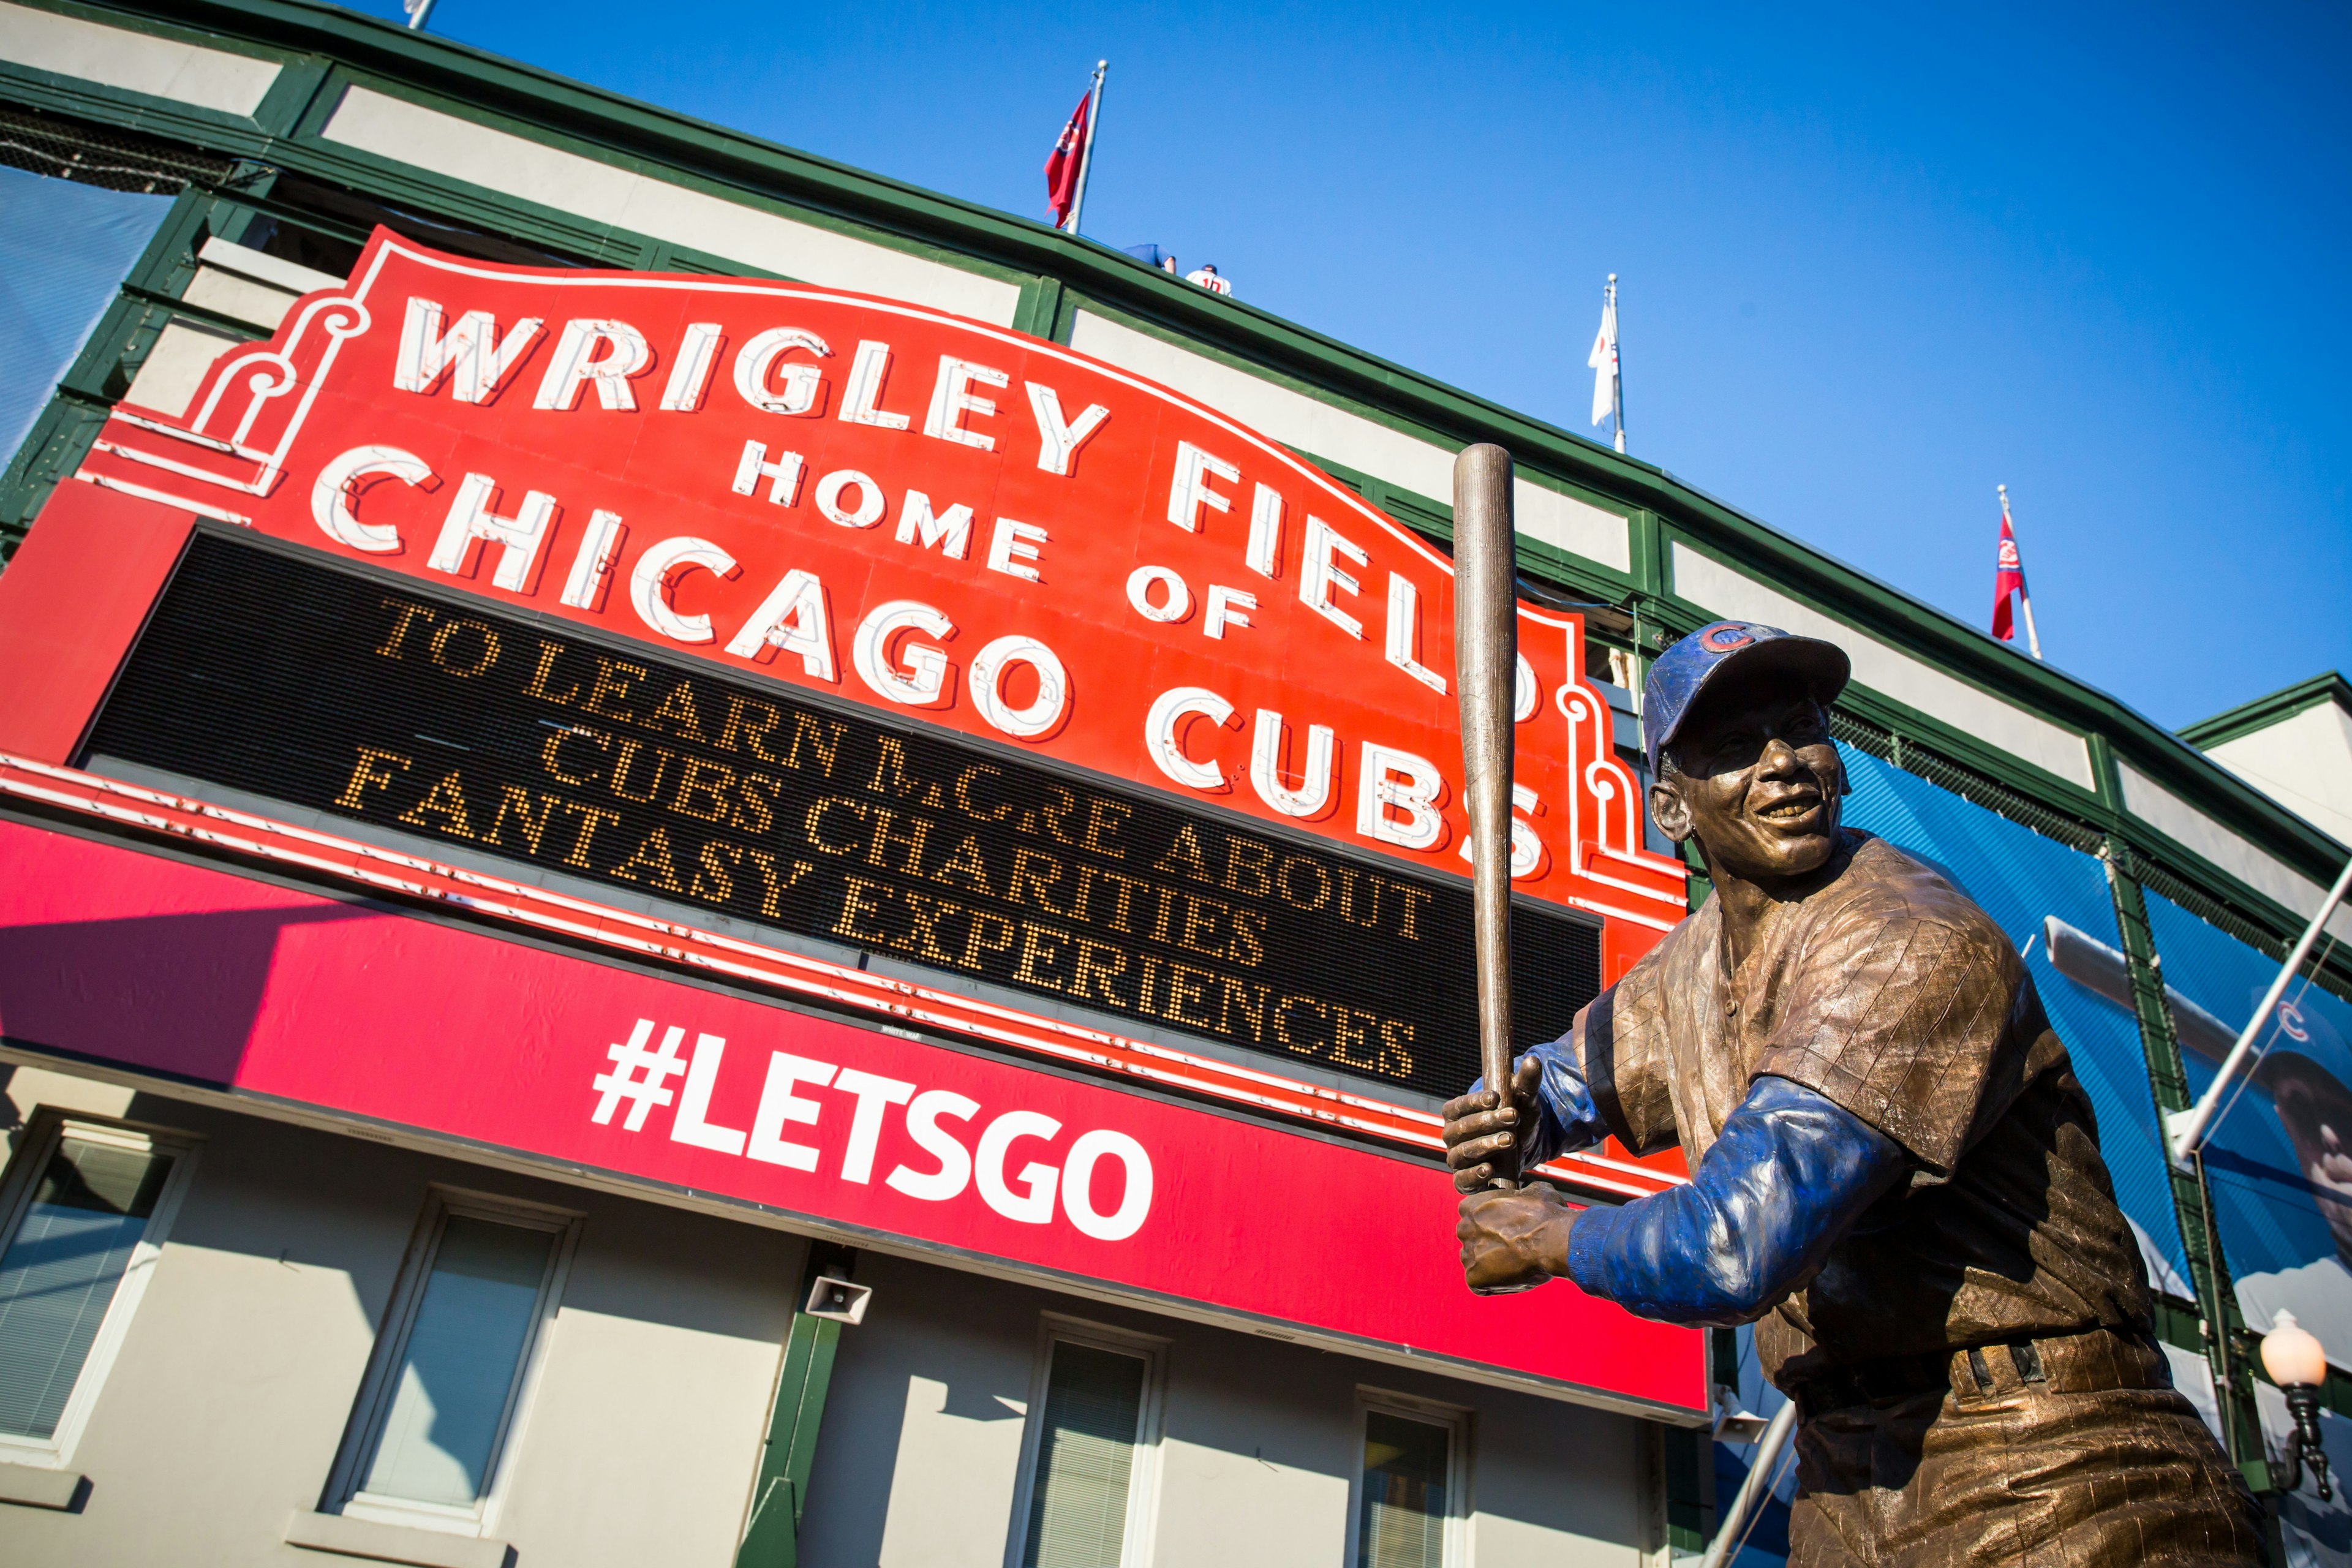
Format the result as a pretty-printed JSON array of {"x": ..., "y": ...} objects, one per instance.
[
  {"x": 1479, "y": 1127},
  {"x": 1514, "y": 1240}
]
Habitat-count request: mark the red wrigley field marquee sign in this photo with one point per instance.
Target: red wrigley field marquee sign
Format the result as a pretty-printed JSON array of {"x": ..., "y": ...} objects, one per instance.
[{"x": 845, "y": 648}]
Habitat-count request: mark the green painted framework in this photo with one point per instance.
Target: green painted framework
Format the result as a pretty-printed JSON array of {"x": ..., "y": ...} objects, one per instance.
[
  {"x": 322, "y": 51},
  {"x": 779, "y": 1487},
  {"x": 2266, "y": 711}
]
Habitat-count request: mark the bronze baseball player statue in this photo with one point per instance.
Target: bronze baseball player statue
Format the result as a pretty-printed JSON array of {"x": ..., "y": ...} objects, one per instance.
[{"x": 1896, "y": 1174}]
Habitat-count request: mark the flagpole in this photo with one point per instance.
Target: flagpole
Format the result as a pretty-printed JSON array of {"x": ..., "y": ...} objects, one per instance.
[
  {"x": 1087, "y": 158},
  {"x": 1616, "y": 367},
  {"x": 2024, "y": 598}
]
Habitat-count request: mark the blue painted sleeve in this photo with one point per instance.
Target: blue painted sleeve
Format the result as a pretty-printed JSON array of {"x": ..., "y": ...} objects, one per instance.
[
  {"x": 1566, "y": 1118},
  {"x": 1790, "y": 1174}
]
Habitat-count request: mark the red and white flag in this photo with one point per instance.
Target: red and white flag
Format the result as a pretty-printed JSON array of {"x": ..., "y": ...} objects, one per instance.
[
  {"x": 1603, "y": 360},
  {"x": 2007, "y": 581},
  {"x": 1068, "y": 158}
]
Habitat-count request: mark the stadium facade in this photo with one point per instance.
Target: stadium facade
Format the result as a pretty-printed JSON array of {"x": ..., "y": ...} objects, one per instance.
[{"x": 684, "y": 834}]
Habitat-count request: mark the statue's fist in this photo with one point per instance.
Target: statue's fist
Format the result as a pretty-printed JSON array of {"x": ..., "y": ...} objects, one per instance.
[
  {"x": 1514, "y": 1240},
  {"x": 1481, "y": 1130}
]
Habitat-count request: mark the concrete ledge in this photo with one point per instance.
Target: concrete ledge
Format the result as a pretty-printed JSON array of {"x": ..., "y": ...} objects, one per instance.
[
  {"x": 365, "y": 1538},
  {"x": 34, "y": 1487}
]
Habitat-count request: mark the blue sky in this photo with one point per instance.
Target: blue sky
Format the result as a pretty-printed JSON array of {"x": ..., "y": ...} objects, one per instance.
[{"x": 1873, "y": 262}]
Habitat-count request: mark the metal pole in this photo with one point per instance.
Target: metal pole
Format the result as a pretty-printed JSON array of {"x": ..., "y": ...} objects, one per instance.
[
  {"x": 1486, "y": 678},
  {"x": 2024, "y": 595},
  {"x": 1616, "y": 366},
  {"x": 2185, "y": 1130},
  {"x": 1087, "y": 158},
  {"x": 419, "y": 13},
  {"x": 1728, "y": 1536}
]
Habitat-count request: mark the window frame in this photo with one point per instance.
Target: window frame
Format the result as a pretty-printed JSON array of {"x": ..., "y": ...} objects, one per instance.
[
  {"x": 1455, "y": 1552},
  {"x": 35, "y": 1147},
  {"x": 1144, "y": 1472},
  {"x": 371, "y": 1406}
]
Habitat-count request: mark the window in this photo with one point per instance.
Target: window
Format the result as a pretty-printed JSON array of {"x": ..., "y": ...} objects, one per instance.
[
  {"x": 84, "y": 1210},
  {"x": 1093, "y": 1447},
  {"x": 1409, "y": 1498},
  {"x": 453, "y": 1364}
]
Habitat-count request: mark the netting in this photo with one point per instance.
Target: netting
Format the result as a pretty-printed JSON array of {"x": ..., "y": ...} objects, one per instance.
[
  {"x": 114, "y": 159},
  {"x": 1914, "y": 758}
]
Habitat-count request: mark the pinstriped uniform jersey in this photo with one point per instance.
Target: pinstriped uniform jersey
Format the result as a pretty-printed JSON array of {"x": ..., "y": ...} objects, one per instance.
[{"x": 1889, "y": 991}]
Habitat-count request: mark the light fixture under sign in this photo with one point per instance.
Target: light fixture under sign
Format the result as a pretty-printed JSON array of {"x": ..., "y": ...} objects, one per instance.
[{"x": 838, "y": 1300}]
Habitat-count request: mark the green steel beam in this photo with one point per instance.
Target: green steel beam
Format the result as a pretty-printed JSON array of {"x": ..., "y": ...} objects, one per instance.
[
  {"x": 2192, "y": 1199},
  {"x": 1690, "y": 1522},
  {"x": 788, "y": 1452},
  {"x": 2264, "y": 711}
]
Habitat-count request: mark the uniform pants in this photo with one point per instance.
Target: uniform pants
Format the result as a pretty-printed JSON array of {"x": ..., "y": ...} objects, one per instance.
[{"x": 2097, "y": 1464}]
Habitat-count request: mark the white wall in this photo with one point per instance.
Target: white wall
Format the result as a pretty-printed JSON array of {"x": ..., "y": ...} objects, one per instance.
[
  {"x": 922, "y": 1441},
  {"x": 221, "y": 1417},
  {"x": 2304, "y": 763},
  {"x": 2226, "y": 847},
  {"x": 1310, "y": 425},
  {"x": 235, "y": 282},
  {"x": 133, "y": 61},
  {"x": 409, "y": 134},
  {"x": 645, "y": 1434}
]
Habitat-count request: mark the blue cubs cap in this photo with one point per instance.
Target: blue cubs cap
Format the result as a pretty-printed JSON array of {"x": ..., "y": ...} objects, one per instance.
[{"x": 1684, "y": 670}]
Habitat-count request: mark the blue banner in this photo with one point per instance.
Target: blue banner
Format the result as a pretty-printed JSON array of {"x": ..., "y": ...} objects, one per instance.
[
  {"x": 65, "y": 249},
  {"x": 2277, "y": 1160}
]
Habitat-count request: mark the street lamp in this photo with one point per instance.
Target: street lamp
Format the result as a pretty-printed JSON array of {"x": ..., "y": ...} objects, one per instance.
[{"x": 2297, "y": 1363}]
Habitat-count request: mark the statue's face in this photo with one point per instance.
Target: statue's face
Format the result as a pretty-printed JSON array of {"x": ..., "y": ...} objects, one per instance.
[{"x": 1759, "y": 783}]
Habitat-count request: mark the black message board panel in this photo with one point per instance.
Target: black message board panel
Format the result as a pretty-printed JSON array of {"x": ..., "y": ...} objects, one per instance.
[{"x": 356, "y": 694}]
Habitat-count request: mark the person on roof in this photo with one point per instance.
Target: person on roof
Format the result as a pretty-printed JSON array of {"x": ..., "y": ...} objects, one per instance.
[
  {"x": 1206, "y": 275},
  {"x": 1894, "y": 1172}
]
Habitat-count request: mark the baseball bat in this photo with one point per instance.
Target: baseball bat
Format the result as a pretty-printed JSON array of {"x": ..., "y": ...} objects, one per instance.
[{"x": 1485, "y": 676}]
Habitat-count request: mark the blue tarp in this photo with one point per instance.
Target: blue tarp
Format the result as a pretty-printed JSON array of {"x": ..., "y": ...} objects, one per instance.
[{"x": 65, "y": 249}]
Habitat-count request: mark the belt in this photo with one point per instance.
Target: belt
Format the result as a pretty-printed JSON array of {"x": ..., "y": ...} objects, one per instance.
[{"x": 2063, "y": 1364}]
